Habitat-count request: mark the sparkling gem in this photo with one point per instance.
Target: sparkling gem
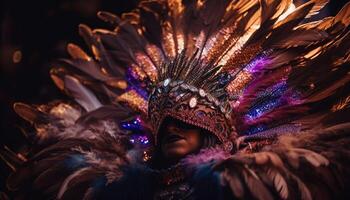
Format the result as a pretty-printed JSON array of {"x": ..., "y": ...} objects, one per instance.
[
  {"x": 132, "y": 125},
  {"x": 166, "y": 82},
  {"x": 200, "y": 113},
  {"x": 134, "y": 100},
  {"x": 202, "y": 93},
  {"x": 193, "y": 102}
]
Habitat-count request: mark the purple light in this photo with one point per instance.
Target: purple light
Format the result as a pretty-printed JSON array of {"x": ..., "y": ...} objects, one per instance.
[
  {"x": 139, "y": 139},
  {"x": 135, "y": 124},
  {"x": 140, "y": 86},
  {"x": 268, "y": 100},
  {"x": 259, "y": 62},
  {"x": 255, "y": 129}
]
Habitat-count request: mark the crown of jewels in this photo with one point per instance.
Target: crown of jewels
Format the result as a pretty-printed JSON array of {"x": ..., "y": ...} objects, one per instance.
[{"x": 192, "y": 91}]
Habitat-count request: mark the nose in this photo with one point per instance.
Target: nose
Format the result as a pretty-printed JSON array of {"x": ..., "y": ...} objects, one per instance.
[{"x": 172, "y": 128}]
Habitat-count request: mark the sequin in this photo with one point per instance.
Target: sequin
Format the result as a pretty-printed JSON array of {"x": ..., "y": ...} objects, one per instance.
[
  {"x": 166, "y": 82},
  {"x": 168, "y": 40},
  {"x": 137, "y": 72},
  {"x": 263, "y": 108},
  {"x": 134, "y": 124},
  {"x": 243, "y": 57},
  {"x": 218, "y": 43},
  {"x": 272, "y": 99},
  {"x": 202, "y": 93},
  {"x": 134, "y": 100},
  {"x": 155, "y": 53},
  {"x": 193, "y": 102},
  {"x": 255, "y": 129},
  {"x": 147, "y": 66},
  {"x": 159, "y": 91},
  {"x": 239, "y": 83}
]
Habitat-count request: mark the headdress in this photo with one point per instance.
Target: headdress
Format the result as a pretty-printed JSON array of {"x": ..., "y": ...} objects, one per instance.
[
  {"x": 193, "y": 92},
  {"x": 232, "y": 71}
]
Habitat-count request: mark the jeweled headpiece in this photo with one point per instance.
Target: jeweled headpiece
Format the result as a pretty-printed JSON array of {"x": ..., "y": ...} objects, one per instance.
[{"x": 194, "y": 92}]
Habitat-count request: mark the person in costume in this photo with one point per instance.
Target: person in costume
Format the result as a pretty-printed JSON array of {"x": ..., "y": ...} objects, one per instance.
[{"x": 196, "y": 99}]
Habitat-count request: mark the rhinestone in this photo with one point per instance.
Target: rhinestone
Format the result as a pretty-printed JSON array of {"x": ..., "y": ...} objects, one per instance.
[
  {"x": 202, "y": 93},
  {"x": 159, "y": 90},
  {"x": 200, "y": 113},
  {"x": 193, "y": 102},
  {"x": 166, "y": 82}
]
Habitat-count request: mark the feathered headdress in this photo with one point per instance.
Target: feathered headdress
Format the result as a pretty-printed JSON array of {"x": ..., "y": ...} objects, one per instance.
[
  {"x": 234, "y": 58},
  {"x": 228, "y": 67}
]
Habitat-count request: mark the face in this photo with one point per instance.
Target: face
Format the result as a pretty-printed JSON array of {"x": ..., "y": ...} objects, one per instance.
[{"x": 178, "y": 139}]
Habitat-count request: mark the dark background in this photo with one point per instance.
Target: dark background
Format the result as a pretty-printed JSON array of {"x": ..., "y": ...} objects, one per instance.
[{"x": 33, "y": 34}]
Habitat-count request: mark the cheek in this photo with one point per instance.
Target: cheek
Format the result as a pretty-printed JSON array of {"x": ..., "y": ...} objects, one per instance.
[{"x": 193, "y": 141}]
